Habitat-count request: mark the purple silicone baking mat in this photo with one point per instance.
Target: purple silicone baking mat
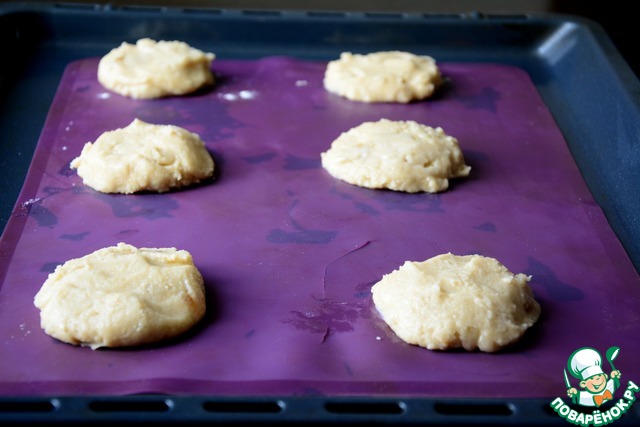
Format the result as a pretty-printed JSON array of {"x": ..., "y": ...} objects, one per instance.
[{"x": 289, "y": 254}]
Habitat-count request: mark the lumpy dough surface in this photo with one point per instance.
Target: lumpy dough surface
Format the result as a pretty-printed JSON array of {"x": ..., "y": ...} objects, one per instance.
[
  {"x": 397, "y": 155},
  {"x": 448, "y": 301},
  {"x": 154, "y": 69},
  {"x": 388, "y": 76},
  {"x": 144, "y": 157},
  {"x": 122, "y": 296}
]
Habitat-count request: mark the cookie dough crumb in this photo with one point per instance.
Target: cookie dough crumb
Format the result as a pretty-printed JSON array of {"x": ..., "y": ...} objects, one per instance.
[
  {"x": 448, "y": 301},
  {"x": 153, "y": 69},
  {"x": 122, "y": 296},
  {"x": 396, "y": 155},
  {"x": 144, "y": 157},
  {"x": 387, "y": 76}
]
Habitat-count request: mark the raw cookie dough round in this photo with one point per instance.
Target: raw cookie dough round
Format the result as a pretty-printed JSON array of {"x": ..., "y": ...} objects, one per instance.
[
  {"x": 122, "y": 296},
  {"x": 451, "y": 301},
  {"x": 150, "y": 69},
  {"x": 144, "y": 157},
  {"x": 390, "y": 76},
  {"x": 397, "y": 155}
]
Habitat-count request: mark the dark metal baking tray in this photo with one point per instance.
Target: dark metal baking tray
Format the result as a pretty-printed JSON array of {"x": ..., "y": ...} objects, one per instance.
[{"x": 586, "y": 85}]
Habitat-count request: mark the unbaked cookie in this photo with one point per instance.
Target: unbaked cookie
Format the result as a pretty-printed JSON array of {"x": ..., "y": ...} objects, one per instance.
[
  {"x": 154, "y": 69},
  {"x": 449, "y": 301},
  {"x": 388, "y": 76},
  {"x": 144, "y": 157},
  {"x": 122, "y": 296},
  {"x": 396, "y": 155}
]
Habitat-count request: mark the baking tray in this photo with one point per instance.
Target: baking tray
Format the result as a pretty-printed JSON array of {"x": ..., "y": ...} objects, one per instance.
[{"x": 565, "y": 69}]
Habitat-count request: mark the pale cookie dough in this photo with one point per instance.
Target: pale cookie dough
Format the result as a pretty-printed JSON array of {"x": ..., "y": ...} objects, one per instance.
[
  {"x": 396, "y": 155},
  {"x": 449, "y": 301},
  {"x": 122, "y": 296},
  {"x": 150, "y": 69},
  {"x": 144, "y": 157},
  {"x": 391, "y": 76}
]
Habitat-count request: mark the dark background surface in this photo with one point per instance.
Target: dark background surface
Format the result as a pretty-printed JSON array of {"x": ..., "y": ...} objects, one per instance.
[{"x": 620, "y": 23}]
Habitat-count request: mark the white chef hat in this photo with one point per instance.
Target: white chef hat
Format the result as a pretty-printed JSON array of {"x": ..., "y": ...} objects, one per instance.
[{"x": 584, "y": 363}]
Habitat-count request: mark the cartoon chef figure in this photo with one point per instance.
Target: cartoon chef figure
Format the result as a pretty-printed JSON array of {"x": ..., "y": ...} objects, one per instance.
[{"x": 586, "y": 365}]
